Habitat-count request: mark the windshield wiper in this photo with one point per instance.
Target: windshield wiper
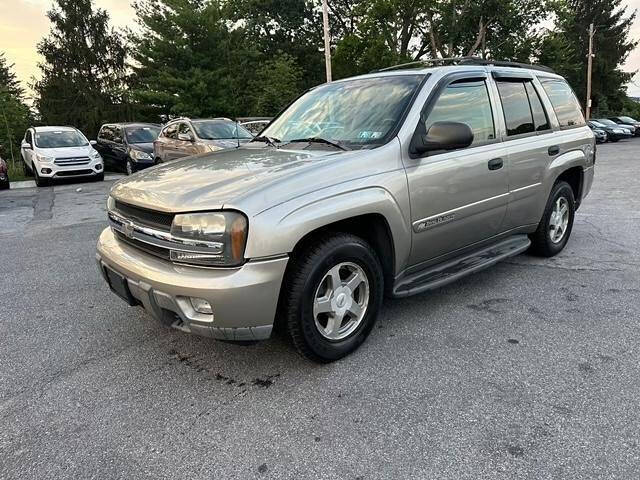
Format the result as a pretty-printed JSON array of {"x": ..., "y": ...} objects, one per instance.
[
  {"x": 318, "y": 140},
  {"x": 264, "y": 138}
]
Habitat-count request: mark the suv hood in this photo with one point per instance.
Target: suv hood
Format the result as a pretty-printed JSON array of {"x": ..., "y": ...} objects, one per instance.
[
  {"x": 211, "y": 180},
  {"x": 143, "y": 147},
  {"x": 63, "y": 152}
]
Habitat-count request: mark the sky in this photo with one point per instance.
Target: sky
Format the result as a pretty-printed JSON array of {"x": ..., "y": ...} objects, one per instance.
[{"x": 23, "y": 24}]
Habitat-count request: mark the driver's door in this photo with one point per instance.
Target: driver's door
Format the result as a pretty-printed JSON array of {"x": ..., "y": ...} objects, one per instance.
[{"x": 458, "y": 197}]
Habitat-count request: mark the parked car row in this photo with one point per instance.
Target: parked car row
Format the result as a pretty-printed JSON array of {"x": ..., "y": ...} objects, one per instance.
[
  {"x": 614, "y": 128},
  {"x": 53, "y": 152}
]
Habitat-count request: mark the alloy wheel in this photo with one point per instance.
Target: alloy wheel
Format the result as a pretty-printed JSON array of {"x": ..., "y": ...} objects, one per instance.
[
  {"x": 559, "y": 220},
  {"x": 340, "y": 301}
]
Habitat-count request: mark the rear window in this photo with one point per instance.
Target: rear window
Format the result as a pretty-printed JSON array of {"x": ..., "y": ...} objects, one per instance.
[{"x": 564, "y": 102}]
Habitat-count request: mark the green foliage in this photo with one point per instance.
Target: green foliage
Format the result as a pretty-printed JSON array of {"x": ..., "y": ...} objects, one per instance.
[
  {"x": 566, "y": 47},
  {"x": 83, "y": 69},
  {"x": 14, "y": 114},
  {"x": 275, "y": 85}
]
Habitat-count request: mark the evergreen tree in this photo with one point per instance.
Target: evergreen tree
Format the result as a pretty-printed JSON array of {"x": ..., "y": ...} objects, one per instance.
[
  {"x": 83, "y": 69},
  {"x": 8, "y": 80},
  {"x": 566, "y": 47},
  {"x": 14, "y": 114},
  {"x": 275, "y": 85}
]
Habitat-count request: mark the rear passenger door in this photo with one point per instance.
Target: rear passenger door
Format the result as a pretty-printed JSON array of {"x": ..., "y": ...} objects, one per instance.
[
  {"x": 458, "y": 197},
  {"x": 103, "y": 144},
  {"x": 531, "y": 145}
]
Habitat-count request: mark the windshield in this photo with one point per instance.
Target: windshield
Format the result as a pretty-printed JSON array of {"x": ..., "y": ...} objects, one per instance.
[
  {"x": 142, "y": 134},
  {"x": 220, "y": 130},
  {"x": 606, "y": 121},
  {"x": 358, "y": 113},
  {"x": 628, "y": 120},
  {"x": 60, "y": 139},
  {"x": 596, "y": 124}
]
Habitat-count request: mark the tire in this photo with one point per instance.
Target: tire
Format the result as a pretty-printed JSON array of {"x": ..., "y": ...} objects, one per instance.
[
  {"x": 543, "y": 242},
  {"x": 40, "y": 182},
  {"x": 309, "y": 275},
  {"x": 99, "y": 177},
  {"x": 129, "y": 168},
  {"x": 4, "y": 185}
]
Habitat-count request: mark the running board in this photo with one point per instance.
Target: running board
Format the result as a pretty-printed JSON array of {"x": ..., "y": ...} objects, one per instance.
[{"x": 443, "y": 273}]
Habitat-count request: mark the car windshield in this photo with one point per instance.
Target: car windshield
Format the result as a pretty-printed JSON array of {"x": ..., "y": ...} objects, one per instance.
[
  {"x": 359, "y": 113},
  {"x": 220, "y": 130},
  {"x": 60, "y": 139},
  {"x": 606, "y": 121},
  {"x": 142, "y": 134},
  {"x": 628, "y": 120},
  {"x": 596, "y": 124}
]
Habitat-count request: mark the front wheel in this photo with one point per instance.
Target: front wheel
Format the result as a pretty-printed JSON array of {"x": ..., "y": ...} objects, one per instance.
[
  {"x": 557, "y": 221},
  {"x": 40, "y": 181},
  {"x": 129, "y": 168},
  {"x": 333, "y": 293}
]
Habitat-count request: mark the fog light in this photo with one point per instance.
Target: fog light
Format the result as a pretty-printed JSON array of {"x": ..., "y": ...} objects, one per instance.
[
  {"x": 99, "y": 167},
  {"x": 200, "y": 305},
  {"x": 46, "y": 171}
]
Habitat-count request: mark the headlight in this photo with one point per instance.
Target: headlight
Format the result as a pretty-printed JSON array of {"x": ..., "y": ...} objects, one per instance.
[
  {"x": 43, "y": 158},
  {"x": 618, "y": 130},
  {"x": 224, "y": 234},
  {"x": 139, "y": 155},
  {"x": 95, "y": 155},
  {"x": 111, "y": 203}
]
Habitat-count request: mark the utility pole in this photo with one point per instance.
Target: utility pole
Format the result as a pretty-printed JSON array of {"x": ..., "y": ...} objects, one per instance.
[
  {"x": 327, "y": 46},
  {"x": 589, "y": 66}
]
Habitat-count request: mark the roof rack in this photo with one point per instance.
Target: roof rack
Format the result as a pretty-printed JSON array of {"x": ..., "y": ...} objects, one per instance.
[{"x": 466, "y": 61}]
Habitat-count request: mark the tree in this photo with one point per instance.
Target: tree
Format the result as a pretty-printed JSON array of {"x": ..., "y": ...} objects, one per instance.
[
  {"x": 83, "y": 68},
  {"x": 276, "y": 84},
  {"x": 14, "y": 114},
  {"x": 377, "y": 33},
  {"x": 188, "y": 61},
  {"x": 565, "y": 49},
  {"x": 8, "y": 80}
]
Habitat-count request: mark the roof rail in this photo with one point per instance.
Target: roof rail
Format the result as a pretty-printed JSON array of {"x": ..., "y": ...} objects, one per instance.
[{"x": 466, "y": 61}]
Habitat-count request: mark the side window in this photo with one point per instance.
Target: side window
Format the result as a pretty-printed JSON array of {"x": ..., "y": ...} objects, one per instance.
[
  {"x": 564, "y": 102},
  {"x": 466, "y": 102},
  {"x": 117, "y": 134},
  {"x": 183, "y": 128},
  {"x": 105, "y": 133},
  {"x": 28, "y": 137},
  {"x": 515, "y": 105},
  {"x": 171, "y": 131},
  {"x": 540, "y": 119}
]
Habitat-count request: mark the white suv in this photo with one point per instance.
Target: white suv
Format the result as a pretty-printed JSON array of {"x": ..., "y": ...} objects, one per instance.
[{"x": 58, "y": 152}]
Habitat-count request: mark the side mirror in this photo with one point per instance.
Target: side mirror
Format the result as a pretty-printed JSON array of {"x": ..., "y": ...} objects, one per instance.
[
  {"x": 93, "y": 143},
  {"x": 26, "y": 145},
  {"x": 443, "y": 136},
  {"x": 185, "y": 137}
]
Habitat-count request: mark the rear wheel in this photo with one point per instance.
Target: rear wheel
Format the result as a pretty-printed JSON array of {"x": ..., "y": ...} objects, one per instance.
[
  {"x": 333, "y": 293},
  {"x": 557, "y": 221}
]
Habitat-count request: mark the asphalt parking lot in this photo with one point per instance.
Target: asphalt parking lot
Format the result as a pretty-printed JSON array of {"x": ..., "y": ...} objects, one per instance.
[{"x": 527, "y": 370}]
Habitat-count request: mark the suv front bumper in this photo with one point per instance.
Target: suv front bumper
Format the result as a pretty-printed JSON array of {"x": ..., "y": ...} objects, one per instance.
[{"x": 243, "y": 300}]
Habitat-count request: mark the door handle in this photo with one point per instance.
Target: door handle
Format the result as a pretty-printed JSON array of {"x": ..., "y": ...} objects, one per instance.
[
  {"x": 554, "y": 150},
  {"x": 495, "y": 164}
]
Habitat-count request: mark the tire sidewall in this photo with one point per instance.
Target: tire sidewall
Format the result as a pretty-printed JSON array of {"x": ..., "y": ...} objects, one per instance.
[
  {"x": 351, "y": 252},
  {"x": 562, "y": 189}
]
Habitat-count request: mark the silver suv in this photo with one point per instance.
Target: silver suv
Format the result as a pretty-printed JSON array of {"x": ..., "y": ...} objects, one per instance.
[
  {"x": 184, "y": 137},
  {"x": 392, "y": 183}
]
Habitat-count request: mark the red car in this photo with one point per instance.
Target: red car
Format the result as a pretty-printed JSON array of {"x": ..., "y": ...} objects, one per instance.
[{"x": 4, "y": 175}]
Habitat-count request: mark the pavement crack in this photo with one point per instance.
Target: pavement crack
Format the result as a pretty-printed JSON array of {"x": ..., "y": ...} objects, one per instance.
[{"x": 43, "y": 204}]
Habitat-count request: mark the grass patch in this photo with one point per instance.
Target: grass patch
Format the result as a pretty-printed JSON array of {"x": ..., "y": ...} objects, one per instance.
[{"x": 16, "y": 173}]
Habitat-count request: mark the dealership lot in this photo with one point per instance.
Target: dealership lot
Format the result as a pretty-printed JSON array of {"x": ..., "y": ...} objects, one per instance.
[{"x": 527, "y": 370}]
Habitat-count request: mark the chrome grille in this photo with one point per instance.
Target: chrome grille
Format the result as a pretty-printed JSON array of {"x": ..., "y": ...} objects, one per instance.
[
  {"x": 72, "y": 161},
  {"x": 150, "y": 218}
]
